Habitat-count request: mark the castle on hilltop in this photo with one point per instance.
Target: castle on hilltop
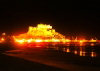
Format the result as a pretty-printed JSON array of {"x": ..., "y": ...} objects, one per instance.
[{"x": 41, "y": 31}]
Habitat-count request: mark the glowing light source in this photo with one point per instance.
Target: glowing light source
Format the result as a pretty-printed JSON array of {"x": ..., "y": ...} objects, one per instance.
[
  {"x": 38, "y": 40},
  {"x": 67, "y": 50},
  {"x": 4, "y": 34},
  {"x": 67, "y": 40},
  {"x": 93, "y": 40},
  {"x": 92, "y": 44},
  {"x": 55, "y": 40},
  {"x": 2, "y": 40},
  {"x": 29, "y": 40},
  {"x": 20, "y": 41},
  {"x": 75, "y": 52},
  {"x": 93, "y": 54},
  {"x": 46, "y": 40}
]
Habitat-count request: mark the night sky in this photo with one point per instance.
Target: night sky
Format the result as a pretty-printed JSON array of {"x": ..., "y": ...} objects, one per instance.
[{"x": 71, "y": 18}]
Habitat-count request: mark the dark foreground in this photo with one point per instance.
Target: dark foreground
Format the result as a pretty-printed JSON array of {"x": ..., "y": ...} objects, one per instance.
[
  {"x": 66, "y": 61},
  {"x": 11, "y": 63},
  {"x": 8, "y": 63},
  {"x": 45, "y": 59}
]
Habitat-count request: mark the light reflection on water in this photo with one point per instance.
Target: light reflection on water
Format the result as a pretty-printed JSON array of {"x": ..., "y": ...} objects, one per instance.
[
  {"x": 81, "y": 51},
  {"x": 89, "y": 50}
]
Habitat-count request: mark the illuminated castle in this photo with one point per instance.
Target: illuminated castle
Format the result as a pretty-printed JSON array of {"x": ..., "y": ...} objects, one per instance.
[
  {"x": 42, "y": 31},
  {"x": 45, "y": 33}
]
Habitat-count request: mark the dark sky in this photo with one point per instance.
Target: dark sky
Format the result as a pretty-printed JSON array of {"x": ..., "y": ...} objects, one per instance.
[{"x": 75, "y": 18}]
